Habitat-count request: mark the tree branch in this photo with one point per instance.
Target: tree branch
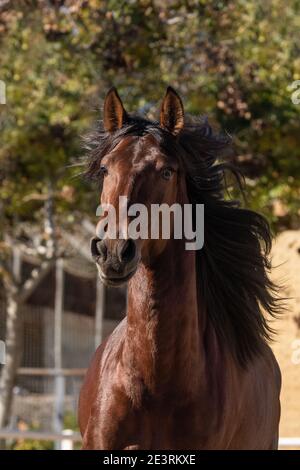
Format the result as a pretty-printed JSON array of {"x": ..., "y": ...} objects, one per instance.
[{"x": 37, "y": 275}]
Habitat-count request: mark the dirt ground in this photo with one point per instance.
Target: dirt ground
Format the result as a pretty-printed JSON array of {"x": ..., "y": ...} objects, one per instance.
[{"x": 286, "y": 262}]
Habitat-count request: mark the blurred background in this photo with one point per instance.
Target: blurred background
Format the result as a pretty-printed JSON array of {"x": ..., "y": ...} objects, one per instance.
[{"x": 237, "y": 62}]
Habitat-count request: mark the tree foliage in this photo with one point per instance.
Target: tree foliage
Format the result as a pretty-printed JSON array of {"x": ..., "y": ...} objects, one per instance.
[{"x": 231, "y": 60}]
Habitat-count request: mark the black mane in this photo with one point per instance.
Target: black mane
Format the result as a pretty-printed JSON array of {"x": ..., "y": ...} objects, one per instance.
[{"x": 233, "y": 267}]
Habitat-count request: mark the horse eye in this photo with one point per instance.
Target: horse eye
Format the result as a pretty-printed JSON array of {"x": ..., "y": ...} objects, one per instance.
[
  {"x": 103, "y": 170},
  {"x": 167, "y": 173}
]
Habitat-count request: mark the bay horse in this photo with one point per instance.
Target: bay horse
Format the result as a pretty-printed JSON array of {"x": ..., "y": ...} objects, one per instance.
[{"x": 189, "y": 367}]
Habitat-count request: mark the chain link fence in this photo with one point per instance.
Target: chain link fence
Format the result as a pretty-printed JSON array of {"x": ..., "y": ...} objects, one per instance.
[{"x": 36, "y": 398}]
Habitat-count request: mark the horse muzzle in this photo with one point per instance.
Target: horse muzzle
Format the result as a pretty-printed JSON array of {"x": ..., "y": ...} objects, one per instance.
[{"x": 116, "y": 260}]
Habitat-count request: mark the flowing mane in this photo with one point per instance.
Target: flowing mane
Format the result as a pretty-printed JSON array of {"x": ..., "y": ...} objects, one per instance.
[
  {"x": 194, "y": 339},
  {"x": 233, "y": 281}
]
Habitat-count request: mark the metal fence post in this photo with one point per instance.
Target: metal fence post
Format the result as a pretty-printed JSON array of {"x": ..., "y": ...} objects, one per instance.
[{"x": 59, "y": 381}]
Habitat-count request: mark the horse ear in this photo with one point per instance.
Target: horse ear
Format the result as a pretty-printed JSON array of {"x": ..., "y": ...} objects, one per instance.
[
  {"x": 172, "y": 112},
  {"x": 114, "y": 114}
]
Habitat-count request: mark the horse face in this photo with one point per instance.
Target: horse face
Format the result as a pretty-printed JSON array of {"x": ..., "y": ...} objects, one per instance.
[{"x": 135, "y": 172}]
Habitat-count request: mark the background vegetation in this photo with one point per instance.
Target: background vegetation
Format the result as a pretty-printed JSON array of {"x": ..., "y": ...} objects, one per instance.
[{"x": 232, "y": 60}]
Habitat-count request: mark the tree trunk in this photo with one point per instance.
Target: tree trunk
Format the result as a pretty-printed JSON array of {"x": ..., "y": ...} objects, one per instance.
[
  {"x": 13, "y": 338},
  {"x": 13, "y": 354}
]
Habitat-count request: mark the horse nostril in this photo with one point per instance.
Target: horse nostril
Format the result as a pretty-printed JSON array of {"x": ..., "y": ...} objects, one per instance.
[
  {"x": 128, "y": 250},
  {"x": 98, "y": 248},
  {"x": 102, "y": 248}
]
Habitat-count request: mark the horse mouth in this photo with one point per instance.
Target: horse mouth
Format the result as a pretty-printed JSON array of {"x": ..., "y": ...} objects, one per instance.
[{"x": 116, "y": 281}]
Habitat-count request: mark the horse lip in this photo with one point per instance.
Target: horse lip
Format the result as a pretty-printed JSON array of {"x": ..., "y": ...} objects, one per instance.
[{"x": 116, "y": 281}]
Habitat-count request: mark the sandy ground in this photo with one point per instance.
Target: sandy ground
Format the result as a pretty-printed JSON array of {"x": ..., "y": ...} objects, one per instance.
[{"x": 286, "y": 253}]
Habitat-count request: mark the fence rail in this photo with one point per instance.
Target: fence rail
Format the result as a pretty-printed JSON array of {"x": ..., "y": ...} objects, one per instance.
[
  {"x": 39, "y": 371},
  {"x": 289, "y": 442}
]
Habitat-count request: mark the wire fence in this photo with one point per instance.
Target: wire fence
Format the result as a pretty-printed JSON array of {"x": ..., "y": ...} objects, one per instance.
[
  {"x": 50, "y": 414},
  {"x": 45, "y": 399},
  {"x": 37, "y": 408}
]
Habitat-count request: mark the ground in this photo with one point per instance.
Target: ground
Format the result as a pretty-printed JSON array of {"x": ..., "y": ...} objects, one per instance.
[{"x": 286, "y": 270}]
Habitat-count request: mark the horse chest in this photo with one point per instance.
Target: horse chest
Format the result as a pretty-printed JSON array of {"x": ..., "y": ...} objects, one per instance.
[{"x": 161, "y": 427}]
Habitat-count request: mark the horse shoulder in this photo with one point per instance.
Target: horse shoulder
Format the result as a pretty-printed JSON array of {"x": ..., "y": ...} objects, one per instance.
[
  {"x": 259, "y": 399},
  {"x": 90, "y": 388}
]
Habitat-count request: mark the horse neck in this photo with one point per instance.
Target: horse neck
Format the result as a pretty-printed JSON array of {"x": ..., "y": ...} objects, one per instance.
[{"x": 163, "y": 336}]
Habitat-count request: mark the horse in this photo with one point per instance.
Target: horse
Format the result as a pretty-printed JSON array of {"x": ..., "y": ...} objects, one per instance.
[{"x": 189, "y": 367}]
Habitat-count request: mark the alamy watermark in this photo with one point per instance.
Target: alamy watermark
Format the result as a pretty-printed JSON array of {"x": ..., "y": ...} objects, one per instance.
[
  {"x": 2, "y": 92},
  {"x": 295, "y": 358},
  {"x": 295, "y": 96},
  {"x": 161, "y": 221},
  {"x": 2, "y": 352}
]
